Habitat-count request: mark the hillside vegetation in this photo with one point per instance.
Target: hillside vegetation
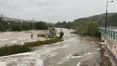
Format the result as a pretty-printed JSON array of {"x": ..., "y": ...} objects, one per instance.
[
  {"x": 88, "y": 28},
  {"x": 20, "y": 25},
  {"x": 89, "y": 25},
  {"x": 100, "y": 19}
]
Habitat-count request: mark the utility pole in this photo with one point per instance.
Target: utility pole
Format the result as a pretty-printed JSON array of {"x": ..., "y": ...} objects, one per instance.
[{"x": 106, "y": 24}]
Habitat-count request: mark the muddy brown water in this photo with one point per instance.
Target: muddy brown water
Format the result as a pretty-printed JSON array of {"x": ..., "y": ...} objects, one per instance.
[{"x": 73, "y": 51}]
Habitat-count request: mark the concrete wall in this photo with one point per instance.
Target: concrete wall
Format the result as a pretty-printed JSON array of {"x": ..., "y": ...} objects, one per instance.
[{"x": 111, "y": 45}]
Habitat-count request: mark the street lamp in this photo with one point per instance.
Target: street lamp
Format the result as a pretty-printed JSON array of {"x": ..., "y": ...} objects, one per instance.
[{"x": 107, "y": 14}]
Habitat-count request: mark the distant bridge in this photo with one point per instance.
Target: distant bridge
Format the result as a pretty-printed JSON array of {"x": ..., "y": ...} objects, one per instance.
[{"x": 110, "y": 39}]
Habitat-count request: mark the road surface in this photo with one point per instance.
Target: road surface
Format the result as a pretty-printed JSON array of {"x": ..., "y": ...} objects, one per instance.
[{"x": 73, "y": 51}]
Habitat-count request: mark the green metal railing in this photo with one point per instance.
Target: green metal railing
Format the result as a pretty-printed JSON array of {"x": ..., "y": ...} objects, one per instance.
[{"x": 109, "y": 33}]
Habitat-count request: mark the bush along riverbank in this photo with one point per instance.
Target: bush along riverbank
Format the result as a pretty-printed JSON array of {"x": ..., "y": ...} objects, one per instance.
[
  {"x": 38, "y": 43},
  {"x": 15, "y": 49},
  {"x": 8, "y": 50},
  {"x": 88, "y": 29}
]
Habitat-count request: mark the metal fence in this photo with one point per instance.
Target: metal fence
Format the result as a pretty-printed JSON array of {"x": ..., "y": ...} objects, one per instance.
[{"x": 109, "y": 33}]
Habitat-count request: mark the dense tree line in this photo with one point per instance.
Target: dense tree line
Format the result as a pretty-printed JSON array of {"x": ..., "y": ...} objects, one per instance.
[
  {"x": 112, "y": 21},
  {"x": 22, "y": 25},
  {"x": 64, "y": 24}
]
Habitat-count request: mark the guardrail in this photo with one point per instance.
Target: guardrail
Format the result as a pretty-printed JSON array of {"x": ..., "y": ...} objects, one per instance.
[{"x": 109, "y": 33}]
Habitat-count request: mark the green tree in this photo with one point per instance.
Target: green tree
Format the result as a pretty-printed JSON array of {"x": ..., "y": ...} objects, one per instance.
[{"x": 41, "y": 25}]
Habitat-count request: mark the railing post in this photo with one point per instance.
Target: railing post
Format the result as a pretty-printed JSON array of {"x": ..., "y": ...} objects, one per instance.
[
  {"x": 114, "y": 35},
  {"x": 111, "y": 34}
]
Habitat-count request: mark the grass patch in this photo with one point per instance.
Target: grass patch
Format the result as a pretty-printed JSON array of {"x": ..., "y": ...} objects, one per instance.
[
  {"x": 9, "y": 50},
  {"x": 38, "y": 43}
]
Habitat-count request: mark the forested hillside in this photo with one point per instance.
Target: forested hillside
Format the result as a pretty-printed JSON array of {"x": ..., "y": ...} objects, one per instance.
[{"x": 112, "y": 21}]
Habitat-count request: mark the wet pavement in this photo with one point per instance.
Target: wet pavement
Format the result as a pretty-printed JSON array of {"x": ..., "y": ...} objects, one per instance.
[{"x": 73, "y": 51}]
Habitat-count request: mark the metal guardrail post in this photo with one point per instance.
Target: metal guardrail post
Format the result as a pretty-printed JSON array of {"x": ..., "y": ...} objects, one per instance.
[
  {"x": 114, "y": 35},
  {"x": 111, "y": 34}
]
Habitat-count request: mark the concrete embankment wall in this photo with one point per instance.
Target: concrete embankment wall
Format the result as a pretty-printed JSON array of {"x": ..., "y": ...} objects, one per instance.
[{"x": 111, "y": 45}]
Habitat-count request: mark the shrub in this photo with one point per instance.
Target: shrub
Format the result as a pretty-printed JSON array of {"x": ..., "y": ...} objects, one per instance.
[
  {"x": 88, "y": 28},
  {"x": 8, "y": 50},
  {"x": 38, "y": 43},
  {"x": 41, "y": 35}
]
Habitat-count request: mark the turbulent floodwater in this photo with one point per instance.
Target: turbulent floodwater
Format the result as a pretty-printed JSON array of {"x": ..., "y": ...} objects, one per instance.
[
  {"x": 11, "y": 38},
  {"x": 73, "y": 51}
]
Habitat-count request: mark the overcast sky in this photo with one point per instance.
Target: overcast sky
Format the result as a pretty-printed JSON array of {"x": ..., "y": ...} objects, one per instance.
[{"x": 54, "y": 10}]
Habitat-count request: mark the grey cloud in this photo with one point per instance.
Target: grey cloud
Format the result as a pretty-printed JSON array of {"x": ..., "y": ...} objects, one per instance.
[
  {"x": 27, "y": 3},
  {"x": 53, "y": 10}
]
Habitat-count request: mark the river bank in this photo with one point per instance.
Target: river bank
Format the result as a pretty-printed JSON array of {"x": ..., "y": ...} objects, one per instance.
[{"x": 105, "y": 59}]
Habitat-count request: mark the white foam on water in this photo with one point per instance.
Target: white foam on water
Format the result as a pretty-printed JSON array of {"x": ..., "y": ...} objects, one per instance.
[
  {"x": 2, "y": 63},
  {"x": 65, "y": 46},
  {"x": 13, "y": 41},
  {"x": 3, "y": 40},
  {"x": 46, "y": 50},
  {"x": 98, "y": 49},
  {"x": 102, "y": 43},
  {"x": 63, "y": 61},
  {"x": 22, "y": 43},
  {"x": 24, "y": 63},
  {"x": 51, "y": 54},
  {"x": 24, "y": 60},
  {"x": 71, "y": 56},
  {"x": 79, "y": 64},
  {"x": 39, "y": 63},
  {"x": 88, "y": 53}
]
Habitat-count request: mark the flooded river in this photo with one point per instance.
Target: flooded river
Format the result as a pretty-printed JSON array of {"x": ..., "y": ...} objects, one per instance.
[
  {"x": 13, "y": 38},
  {"x": 73, "y": 51}
]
